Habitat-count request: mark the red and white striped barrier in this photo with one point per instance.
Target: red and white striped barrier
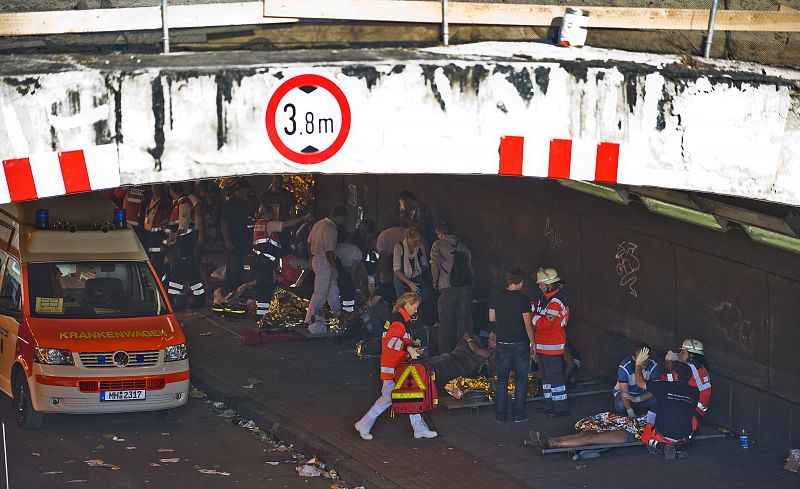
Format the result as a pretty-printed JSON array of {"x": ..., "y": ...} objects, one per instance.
[
  {"x": 59, "y": 173},
  {"x": 559, "y": 158}
]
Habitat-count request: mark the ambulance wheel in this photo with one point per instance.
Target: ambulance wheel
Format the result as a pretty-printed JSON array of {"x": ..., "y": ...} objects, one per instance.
[{"x": 27, "y": 417}]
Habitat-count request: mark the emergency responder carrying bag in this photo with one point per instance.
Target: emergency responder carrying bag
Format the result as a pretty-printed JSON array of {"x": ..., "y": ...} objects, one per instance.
[{"x": 414, "y": 389}]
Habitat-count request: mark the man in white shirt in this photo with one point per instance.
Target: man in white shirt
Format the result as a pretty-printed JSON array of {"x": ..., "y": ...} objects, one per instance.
[{"x": 322, "y": 248}]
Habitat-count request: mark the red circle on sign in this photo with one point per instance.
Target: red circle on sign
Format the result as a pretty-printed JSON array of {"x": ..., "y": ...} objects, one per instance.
[{"x": 272, "y": 108}]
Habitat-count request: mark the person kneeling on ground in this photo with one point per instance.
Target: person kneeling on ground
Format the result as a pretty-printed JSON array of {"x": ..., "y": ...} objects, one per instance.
[
  {"x": 395, "y": 349},
  {"x": 676, "y": 403},
  {"x": 627, "y": 395}
]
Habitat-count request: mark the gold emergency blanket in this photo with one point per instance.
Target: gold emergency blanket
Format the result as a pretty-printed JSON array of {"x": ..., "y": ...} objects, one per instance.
[
  {"x": 288, "y": 310},
  {"x": 302, "y": 187},
  {"x": 612, "y": 422},
  {"x": 461, "y": 385}
]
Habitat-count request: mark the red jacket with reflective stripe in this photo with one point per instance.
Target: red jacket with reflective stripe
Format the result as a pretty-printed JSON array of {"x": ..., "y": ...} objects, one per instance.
[
  {"x": 395, "y": 343},
  {"x": 549, "y": 322},
  {"x": 702, "y": 381},
  {"x": 260, "y": 235},
  {"x": 132, "y": 203},
  {"x": 175, "y": 214}
]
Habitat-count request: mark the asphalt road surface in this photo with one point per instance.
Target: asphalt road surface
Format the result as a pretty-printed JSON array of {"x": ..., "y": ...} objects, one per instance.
[{"x": 56, "y": 456}]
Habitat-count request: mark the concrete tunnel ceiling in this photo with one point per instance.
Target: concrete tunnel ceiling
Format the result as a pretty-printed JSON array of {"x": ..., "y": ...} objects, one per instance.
[{"x": 490, "y": 108}]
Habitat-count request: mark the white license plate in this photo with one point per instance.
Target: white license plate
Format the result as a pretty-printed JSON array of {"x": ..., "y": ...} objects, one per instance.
[{"x": 137, "y": 395}]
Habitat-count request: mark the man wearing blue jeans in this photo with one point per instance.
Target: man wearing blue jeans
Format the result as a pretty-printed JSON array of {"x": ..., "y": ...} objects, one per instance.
[{"x": 510, "y": 311}]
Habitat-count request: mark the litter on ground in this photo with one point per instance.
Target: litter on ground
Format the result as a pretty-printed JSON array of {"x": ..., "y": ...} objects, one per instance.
[
  {"x": 308, "y": 471},
  {"x": 100, "y": 463}
]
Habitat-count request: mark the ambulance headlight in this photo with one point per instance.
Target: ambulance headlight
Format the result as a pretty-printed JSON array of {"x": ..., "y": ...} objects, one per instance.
[
  {"x": 175, "y": 353},
  {"x": 53, "y": 356}
]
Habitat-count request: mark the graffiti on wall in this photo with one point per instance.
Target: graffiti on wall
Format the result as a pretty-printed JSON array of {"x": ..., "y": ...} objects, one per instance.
[
  {"x": 552, "y": 236},
  {"x": 735, "y": 328},
  {"x": 627, "y": 265}
]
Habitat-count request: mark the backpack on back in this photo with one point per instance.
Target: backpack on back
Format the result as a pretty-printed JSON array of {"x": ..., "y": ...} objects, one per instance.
[{"x": 460, "y": 273}]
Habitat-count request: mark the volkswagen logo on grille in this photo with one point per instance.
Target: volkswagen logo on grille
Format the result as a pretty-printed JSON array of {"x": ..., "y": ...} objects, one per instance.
[{"x": 121, "y": 359}]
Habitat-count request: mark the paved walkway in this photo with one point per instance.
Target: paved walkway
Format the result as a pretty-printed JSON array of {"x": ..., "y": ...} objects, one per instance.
[{"x": 311, "y": 394}]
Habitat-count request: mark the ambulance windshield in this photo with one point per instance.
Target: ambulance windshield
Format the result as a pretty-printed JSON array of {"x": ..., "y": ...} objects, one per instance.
[{"x": 94, "y": 290}]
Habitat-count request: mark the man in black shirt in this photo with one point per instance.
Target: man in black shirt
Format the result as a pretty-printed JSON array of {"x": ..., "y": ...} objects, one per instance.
[
  {"x": 511, "y": 313},
  {"x": 676, "y": 401},
  {"x": 237, "y": 236}
]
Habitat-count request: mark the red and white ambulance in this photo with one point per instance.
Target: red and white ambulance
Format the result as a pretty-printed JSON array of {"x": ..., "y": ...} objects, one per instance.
[{"x": 85, "y": 325}]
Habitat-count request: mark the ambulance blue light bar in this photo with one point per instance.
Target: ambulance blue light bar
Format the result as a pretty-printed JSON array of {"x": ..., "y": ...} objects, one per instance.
[
  {"x": 42, "y": 219},
  {"x": 119, "y": 219}
]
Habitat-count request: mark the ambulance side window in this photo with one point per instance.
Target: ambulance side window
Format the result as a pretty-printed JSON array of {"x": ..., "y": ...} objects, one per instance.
[{"x": 10, "y": 288}]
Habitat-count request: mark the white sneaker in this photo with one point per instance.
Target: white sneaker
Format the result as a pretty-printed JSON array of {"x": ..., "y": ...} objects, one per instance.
[
  {"x": 365, "y": 435},
  {"x": 425, "y": 434}
]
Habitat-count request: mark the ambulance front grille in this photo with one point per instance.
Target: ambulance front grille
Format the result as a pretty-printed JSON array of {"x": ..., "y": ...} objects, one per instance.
[{"x": 140, "y": 358}]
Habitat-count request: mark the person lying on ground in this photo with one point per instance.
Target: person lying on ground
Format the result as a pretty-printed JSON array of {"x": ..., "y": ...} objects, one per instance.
[
  {"x": 676, "y": 402},
  {"x": 464, "y": 360}
]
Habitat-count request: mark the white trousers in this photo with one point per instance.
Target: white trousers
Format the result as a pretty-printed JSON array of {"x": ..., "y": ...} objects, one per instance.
[
  {"x": 325, "y": 288},
  {"x": 385, "y": 402}
]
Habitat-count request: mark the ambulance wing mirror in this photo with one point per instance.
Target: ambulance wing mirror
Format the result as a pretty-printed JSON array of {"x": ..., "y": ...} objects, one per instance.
[{"x": 9, "y": 308}]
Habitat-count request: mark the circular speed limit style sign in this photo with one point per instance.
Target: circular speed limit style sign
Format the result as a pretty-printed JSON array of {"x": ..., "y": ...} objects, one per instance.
[{"x": 308, "y": 119}]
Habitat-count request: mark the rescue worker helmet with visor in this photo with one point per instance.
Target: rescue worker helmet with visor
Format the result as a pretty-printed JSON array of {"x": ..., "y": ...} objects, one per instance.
[
  {"x": 693, "y": 346},
  {"x": 547, "y": 276}
]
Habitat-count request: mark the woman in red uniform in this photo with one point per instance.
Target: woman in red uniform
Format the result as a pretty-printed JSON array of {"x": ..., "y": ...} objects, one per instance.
[{"x": 395, "y": 349}]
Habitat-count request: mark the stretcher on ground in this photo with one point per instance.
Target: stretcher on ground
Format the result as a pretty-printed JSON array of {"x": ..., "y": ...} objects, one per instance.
[
  {"x": 593, "y": 451},
  {"x": 580, "y": 391}
]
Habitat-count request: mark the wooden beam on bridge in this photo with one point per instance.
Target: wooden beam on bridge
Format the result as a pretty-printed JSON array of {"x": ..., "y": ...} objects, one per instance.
[
  {"x": 134, "y": 19},
  {"x": 783, "y": 20}
]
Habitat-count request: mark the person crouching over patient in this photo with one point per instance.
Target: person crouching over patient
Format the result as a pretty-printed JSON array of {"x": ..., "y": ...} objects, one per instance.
[
  {"x": 627, "y": 395},
  {"x": 396, "y": 348},
  {"x": 676, "y": 404}
]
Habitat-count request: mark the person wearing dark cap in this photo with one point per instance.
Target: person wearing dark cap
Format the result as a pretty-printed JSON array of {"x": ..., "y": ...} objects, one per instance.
[
  {"x": 322, "y": 249},
  {"x": 676, "y": 401}
]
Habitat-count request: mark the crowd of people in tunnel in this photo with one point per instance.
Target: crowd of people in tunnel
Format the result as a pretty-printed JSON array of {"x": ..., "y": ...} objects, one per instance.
[{"x": 397, "y": 283}]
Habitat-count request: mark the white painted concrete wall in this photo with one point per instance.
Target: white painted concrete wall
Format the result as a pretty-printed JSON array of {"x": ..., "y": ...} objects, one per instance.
[{"x": 723, "y": 128}]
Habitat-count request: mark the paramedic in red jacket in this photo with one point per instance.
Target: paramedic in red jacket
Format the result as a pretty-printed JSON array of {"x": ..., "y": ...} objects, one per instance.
[
  {"x": 395, "y": 349},
  {"x": 550, "y": 316}
]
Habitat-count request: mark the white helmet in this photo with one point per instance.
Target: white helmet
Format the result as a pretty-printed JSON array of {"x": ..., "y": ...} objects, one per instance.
[
  {"x": 693, "y": 346},
  {"x": 547, "y": 276}
]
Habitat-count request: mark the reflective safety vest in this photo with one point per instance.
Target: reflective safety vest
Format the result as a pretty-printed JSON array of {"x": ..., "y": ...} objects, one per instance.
[
  {"x": 266, "y": 244},
  {"x": 156, "y": 216},
  {"x": 132, "y": 204},
  {"x": 702, "y": 381},
  {"x": 175, "y": 215},
  {"x": 395, "y": 343},
  {"x": 549, "y": 321}
]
